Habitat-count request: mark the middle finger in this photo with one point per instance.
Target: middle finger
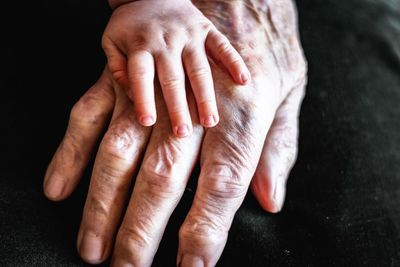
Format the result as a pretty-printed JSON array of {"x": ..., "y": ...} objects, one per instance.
[{"x": 159, "y": 185}]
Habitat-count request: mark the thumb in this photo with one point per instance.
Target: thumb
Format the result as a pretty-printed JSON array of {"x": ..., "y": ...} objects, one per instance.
[{"x": 278, "y": 155}]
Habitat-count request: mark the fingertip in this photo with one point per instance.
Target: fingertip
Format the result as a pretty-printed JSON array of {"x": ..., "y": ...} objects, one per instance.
[
  {"x": 239, "y": 73},
  {"x": 147, "y": 120},
  {"x": 245, "y": 77},
  {"x": 91, "y": 248},
  {"x": 54, "y": 189},
  {"x": 271, "y": 207},
  {"x": 210, "y": 121},
  {"x": 182, "y": 130},
  {"x": 270, "y": 200}
]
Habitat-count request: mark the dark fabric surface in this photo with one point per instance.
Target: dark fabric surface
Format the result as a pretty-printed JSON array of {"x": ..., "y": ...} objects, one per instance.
[{"x": 342, "y": 207}]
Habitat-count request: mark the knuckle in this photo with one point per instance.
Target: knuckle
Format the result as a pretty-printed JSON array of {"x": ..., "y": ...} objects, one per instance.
[
  {"x": 139, "y": 74},
  {"x": 118, "y": 75},
  {"x": 87, "y": 111},
  {"x": 206, "y": 103},
  {"x": 116, "y": 68},
  {"x": 199, "y": 73},
  {"x": 168, "y": 40},
  {"x": 205, "y": 26},
  {"x": 159, "y": 169},
  {"x": 118, "y": 142},
  {"x": 201, "y": 28},
  {"x": 98, "y": 208},
  {"x": 224, "y": 183},
  {"x": 224, "y": 47},
  {"x": 131, "y": 237},
  {"x": 141, "y": 40},
  {"x": 171, "y": 84},
  {"x": 107, "y": 44},
  {"x": 179, "y": 112},
  {"x": 200, "y": 230}
]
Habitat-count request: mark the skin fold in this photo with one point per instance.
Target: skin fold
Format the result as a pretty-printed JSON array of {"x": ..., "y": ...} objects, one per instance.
[{"x": 254, "y": 144}]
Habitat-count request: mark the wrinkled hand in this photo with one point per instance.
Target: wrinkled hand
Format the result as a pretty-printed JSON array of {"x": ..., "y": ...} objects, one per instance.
[
  {"x": 255, "y": 142},
  {"x": 168, "y": 36}
]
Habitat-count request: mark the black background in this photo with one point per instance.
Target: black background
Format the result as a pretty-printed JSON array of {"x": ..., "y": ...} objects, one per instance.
[{"x": 343, "y": 194}]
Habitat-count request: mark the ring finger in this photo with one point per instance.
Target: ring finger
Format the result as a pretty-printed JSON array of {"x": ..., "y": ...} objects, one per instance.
[{"x": 172, "y": 79}]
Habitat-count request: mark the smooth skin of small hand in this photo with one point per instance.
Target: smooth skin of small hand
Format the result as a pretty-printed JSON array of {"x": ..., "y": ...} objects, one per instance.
[{"x": 169, "y": 38}]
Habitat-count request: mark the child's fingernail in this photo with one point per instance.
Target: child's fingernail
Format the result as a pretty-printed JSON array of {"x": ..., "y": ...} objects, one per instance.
[
  {"x": 209, "y": 121},
  {"x": 245, "y": 77},
  {"x": 147, "y": 120},
  {"x": 182, "y": 130}
]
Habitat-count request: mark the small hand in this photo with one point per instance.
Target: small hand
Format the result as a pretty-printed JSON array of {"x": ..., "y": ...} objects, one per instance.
[{"x": 168, "y": 38}]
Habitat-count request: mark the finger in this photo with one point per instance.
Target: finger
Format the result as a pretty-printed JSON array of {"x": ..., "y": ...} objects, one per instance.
[
  {"x": 160, "y": 183},
  {"x": 88, "y": 118},
  {"x": 279, "y": 155},
  {"x": 199, "y": 73},
  {"x": 222, "y": 50},
  {"x": 116, "y": 62},
  {"x": 172, "y": 79},
  {"x": 228, "y": 160},
  {"x": 116, "y": 161},
  {"x": 141, "y": 89}
]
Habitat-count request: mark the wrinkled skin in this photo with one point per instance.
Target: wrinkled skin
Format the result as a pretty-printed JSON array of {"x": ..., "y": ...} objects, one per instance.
[{"x": 254, "y": 143}]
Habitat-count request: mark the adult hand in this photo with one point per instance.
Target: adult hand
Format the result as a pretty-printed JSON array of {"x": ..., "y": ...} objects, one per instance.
[{"x": 257, "y": 137}]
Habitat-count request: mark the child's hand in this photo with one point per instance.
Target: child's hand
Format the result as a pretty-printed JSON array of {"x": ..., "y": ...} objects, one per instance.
[{"x": 168, "y": 36}]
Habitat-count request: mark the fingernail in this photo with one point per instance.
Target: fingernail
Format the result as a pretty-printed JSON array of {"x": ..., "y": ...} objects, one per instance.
[
  {"x": 191, "y": 261},
  {"x": 121, "y": 263},
  {"x": 147, "y": 120},
  {"x": 91, "y": 248},
  {"x": 209, "y": 121},
  {"x": 54, "y": 187},
  {"x": 279, "y": 194},
  {"x": 182, "y": 130},
  {"x": 245, "y": 77}
]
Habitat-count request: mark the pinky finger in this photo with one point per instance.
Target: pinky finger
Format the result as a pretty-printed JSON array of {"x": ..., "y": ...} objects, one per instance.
[{"x": 222, "y": 50}]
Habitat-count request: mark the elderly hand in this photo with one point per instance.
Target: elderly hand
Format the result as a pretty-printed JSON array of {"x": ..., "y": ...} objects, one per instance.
[{"x": 255, "y": 142}]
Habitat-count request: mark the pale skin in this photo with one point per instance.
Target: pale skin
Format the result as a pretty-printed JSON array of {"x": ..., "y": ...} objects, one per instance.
[
  {"x": 169, "y": 38},
  {"x": 254, "y": 145}
]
